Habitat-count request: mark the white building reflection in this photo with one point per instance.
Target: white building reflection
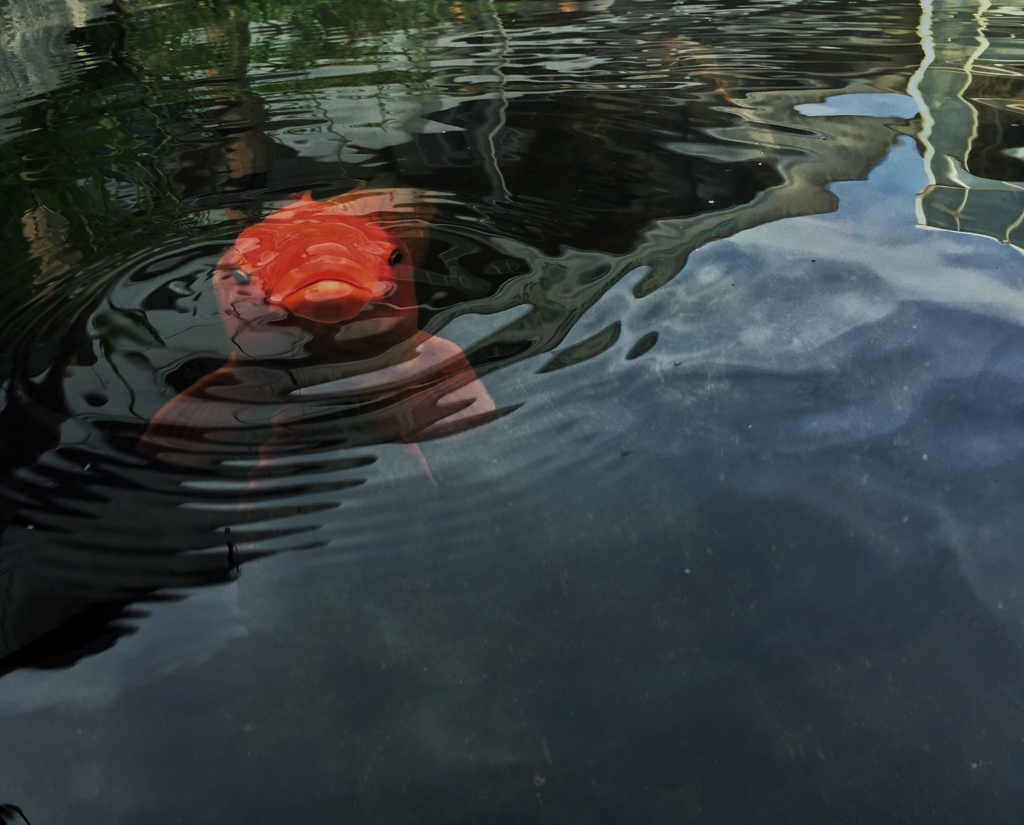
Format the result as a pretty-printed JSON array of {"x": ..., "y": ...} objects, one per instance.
[{"x": 969, "y": 83}]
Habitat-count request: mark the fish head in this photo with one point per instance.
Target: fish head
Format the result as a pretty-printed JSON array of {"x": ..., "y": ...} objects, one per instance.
[{"x": 314, "y": 260}]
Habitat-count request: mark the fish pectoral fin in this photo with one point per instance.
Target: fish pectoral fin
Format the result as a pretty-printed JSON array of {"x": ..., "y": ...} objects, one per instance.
[{"x": 191, "y": 428}]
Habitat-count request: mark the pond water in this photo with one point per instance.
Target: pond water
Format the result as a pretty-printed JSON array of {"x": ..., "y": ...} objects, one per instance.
[{"x": 738, "y": 539}]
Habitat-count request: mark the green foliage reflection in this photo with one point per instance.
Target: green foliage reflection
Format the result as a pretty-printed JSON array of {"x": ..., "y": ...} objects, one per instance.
[{"x": 167, "y": 98}]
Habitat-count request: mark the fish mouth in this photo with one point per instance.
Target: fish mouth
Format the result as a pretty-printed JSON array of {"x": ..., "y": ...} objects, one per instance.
[{"x": 331, "y": 300}]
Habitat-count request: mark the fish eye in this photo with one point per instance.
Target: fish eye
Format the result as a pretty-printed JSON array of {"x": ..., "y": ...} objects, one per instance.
[
  {"x": 241, "y": 277},
  {"x": 396, "y": 257}
]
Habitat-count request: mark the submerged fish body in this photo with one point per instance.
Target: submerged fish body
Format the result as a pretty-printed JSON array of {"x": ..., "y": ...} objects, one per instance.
[{"x": 318, "y": 301}]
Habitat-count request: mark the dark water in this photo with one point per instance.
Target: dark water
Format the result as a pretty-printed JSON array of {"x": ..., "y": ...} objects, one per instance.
[{"x": 742, "y": 542}]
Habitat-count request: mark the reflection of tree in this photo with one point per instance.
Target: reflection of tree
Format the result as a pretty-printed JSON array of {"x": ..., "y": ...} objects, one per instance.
[
  {"x": 46, "y": 233},
  {"x": 294, "y": 34},
  {"x": 163, "y": 116}
]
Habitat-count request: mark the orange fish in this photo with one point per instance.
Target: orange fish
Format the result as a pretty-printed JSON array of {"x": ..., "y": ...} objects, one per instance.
[{"x": 319, "y": 303}]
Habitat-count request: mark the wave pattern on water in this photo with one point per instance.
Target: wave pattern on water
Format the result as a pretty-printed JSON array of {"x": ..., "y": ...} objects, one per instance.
[
  {"x": 739, "y": 538},
  {"x": 576, "y": 156}
]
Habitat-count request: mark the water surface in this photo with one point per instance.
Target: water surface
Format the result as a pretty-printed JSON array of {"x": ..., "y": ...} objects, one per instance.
[{"x": 740, "y": 545}]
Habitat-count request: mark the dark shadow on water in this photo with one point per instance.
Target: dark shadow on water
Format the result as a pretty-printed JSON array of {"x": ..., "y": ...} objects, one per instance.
[{"x": 12, "y": 815}]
